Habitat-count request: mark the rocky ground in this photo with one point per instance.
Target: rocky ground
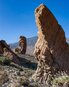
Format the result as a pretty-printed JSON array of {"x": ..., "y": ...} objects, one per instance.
[{"x": 14, "y": 75}]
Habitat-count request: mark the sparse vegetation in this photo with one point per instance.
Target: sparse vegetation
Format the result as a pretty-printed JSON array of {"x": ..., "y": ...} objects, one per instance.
[
  {"x": 16, "y": 66},
  {"x": 24, "y": 81},
  {"x": 4, "y": 60},
  {"x": 7, "y": 62},
  {"x": 60, "y": 81}
]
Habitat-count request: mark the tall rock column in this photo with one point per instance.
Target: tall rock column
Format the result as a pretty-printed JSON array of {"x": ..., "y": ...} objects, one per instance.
[
  {"x": 23, "y": 44},
  {"x": 51, "y": 49}
]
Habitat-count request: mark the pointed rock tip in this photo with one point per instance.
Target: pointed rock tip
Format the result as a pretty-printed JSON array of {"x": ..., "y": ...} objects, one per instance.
[{"x": 40, "y": 6}]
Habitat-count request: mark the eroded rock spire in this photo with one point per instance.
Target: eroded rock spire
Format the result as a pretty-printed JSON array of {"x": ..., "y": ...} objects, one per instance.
[{"x": 51, "y": 49}]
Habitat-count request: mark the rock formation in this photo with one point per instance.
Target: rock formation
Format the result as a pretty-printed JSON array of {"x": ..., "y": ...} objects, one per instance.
[
  {"x": 17, "y": 50},
  {"x": 1, "y": 48},
  {"x": 51, "y": 49},
  {"x": 7, "y": 52},
  {"x": 22, "y": 44}
]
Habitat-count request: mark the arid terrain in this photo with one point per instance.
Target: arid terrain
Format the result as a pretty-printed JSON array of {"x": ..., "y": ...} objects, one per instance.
[
  {"x": 40, "y": 61},
  {"x": 18, "y": 75}
]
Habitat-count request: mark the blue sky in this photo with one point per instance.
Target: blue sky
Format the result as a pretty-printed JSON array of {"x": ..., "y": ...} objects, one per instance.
[{"x": 17, "y": 17}]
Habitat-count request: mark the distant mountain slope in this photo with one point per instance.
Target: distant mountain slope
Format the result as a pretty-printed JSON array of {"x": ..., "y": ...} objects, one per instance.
[
  {"x": 67, "y": 40},
  {"x": 30, "y": 44},
  {"x": 31, "y": 41}
]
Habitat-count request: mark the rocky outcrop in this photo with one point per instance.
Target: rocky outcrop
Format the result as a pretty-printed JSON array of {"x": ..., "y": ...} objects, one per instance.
[
  {"x": 7, "y": 52},
  {"x": 17, "y": 50},
  {"x": 3, "y": 45},
  {"x": 51, "y": 49},
  {"x": 1, "y": 48},
  {"x": 23, "y": 44}
]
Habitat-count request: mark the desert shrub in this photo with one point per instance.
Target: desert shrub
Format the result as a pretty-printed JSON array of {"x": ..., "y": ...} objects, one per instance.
[
  {"x": 60, "y": 81},
  {"x": 4, "y": 60},
  {"x": 24, "y": 81},
  {"x": 34, "y": 85},
  {"x": 7, "y": 62}
]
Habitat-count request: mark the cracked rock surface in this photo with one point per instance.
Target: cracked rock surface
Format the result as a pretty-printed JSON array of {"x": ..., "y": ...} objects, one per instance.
[{"x": 51, "y": 49}]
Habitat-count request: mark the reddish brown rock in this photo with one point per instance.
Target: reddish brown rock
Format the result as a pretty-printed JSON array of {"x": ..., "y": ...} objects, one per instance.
[
  {"x": 51, "y": 49},
  {"x": 17, "y": 50},
  {"x": 1, "y": 48},
  {"x": 7, "y": 52},
  {"x": 23, "y": 44}
]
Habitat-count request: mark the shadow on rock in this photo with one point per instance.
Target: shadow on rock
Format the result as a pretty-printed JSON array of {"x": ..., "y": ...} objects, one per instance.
[{"x": 27, "y": 63}]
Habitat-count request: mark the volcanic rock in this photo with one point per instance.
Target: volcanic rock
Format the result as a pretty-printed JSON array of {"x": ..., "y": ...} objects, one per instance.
[
  {"x": 23, "y": 44},
  {"x": 1, "y": 48},
  {"x": 7, "y": 52},
  {"x": 51, "y": 49},
  {"x": 17, "y": 50}
]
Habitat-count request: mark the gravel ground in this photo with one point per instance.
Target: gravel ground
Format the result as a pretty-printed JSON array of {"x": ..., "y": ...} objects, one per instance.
[{"x": 18, "y": 76}]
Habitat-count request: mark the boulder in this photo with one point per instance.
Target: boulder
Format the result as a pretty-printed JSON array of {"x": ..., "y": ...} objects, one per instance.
[
  {"x": 17, "y": 50},
  {"x": 23, "y": 44},
  {"x": 51, "y": 49}
]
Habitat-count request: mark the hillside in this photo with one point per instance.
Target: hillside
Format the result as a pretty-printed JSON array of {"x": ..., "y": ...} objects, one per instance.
[{"x": 67, "y": 40}]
